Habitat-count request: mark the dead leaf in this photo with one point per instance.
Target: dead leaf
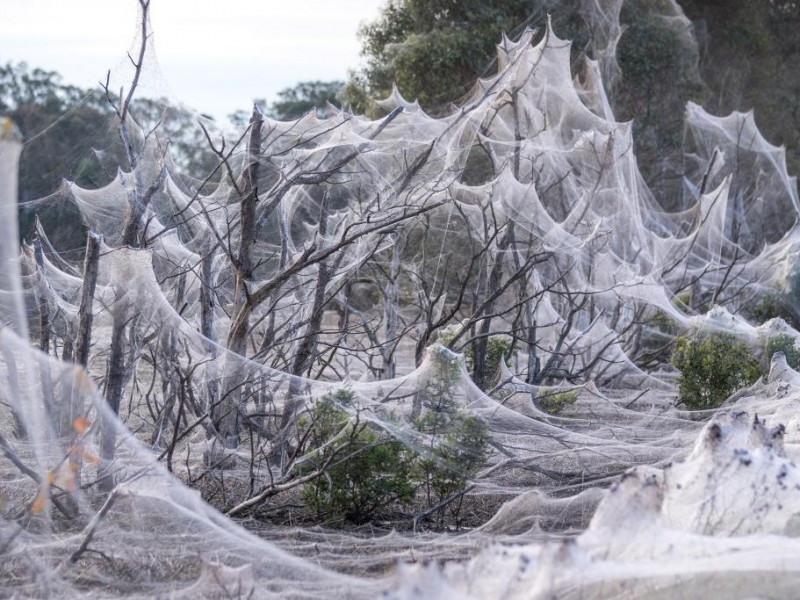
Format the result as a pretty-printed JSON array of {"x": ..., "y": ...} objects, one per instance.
[{"x": 81, "y": 425}]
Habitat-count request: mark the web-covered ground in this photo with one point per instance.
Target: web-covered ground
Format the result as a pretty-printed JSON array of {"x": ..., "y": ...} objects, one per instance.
[{"x": 335, "y": 257}]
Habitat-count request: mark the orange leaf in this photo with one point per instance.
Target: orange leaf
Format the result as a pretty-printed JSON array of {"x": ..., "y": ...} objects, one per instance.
[
  {"x": 50, "y": 478},
  {"x": 81, "y": 425},
  {"x": 37, "y": 505},
  {"x": 90, "y": 458}
]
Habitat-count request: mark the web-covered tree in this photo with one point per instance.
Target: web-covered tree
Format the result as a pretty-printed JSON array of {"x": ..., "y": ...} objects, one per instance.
[
  {"x": 749, "y": 50},
  {"x": 455, "y": 443},
  {"x": 433, "y": 50},
  {"x": 657, "y": 54}
]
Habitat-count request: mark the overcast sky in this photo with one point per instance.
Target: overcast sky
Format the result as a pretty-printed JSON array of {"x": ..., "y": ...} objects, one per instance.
[{"x": 214, "y": 55}]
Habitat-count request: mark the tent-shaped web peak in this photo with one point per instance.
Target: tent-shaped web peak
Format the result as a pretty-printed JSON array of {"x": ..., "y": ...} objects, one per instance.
[
  {"x": 396, "y": 100},
  {"x": 507, "y": 49}
]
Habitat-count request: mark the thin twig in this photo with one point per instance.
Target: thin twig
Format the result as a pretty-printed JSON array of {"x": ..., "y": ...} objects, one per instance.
[{"x": 90, "y": 529}]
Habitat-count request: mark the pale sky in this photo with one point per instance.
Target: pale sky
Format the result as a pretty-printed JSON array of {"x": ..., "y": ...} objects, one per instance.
[{"x": 215, "y": 56}]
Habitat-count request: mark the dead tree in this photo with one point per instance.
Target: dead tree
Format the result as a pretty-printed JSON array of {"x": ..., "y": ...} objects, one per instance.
[
  {"x": 83, "y": 338},
  {"x": 138, "y": 201}
]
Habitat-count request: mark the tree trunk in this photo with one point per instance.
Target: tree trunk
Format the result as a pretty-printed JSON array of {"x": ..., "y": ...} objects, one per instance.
[
  {"x": 114, "y": 385},
  {"x": 91, "y": 261},
  {"x": 207, "y": 299},
  {"x": 44, "y": 307},
  {"x": 72, "y": 404},
  {"x": 391, "y": 300},
  {"x": 226, "y": 415},
  {"x": 479, "y": 374}
]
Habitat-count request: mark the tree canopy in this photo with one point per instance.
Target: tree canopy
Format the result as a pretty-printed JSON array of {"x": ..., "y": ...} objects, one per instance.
[
  {"x": 731, "y": 55},
  {"x": 434, "y": 49},
  {"x": 296, "y": 101},
  {"x": 61, "y": 124}
]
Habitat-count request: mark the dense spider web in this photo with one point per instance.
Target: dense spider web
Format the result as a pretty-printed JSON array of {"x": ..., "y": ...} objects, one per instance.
[{"x": 528, "y": 201}]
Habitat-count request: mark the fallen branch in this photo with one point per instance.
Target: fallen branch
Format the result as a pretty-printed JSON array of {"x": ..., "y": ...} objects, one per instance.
[{"x": 451, "y": 498}]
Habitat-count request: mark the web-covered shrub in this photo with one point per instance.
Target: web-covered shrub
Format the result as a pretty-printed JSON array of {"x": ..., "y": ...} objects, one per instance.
[
  {"x": 712, "y": 366},
  {"x": 782, "y": 342},
  {"x": 456, "y": 442},
  {"x": 555, "y": 402},
  {"x": 363, "y": 469},
  {"x": 445, "y": 468},
  {"x": 494, "y": 349},
  {"x": 771, "y": 305}
]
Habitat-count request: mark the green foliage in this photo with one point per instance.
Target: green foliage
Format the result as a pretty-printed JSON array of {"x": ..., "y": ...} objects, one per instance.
[
  {"x": 62, "y": 125},
  {"x": 72, "y": 134},
  {"x": 353, "y": 96},
  {"x": 457, "y": 442},
  {"x": 435, "y": 49},
  {"x": 712, "y": 367},
  {"x": 555, "y": 402},
  {"x": 439, "y": 392},
  {"x": 658, "y": 59},
  {"x": 771, "y": 305},
  {"x": 457, "y": 450},
  {"x": 365, "y": 470},
  {"x": 497, "y": 347},
  {"x": 306, "y": 96},
  {"x": 781, "y": 342},
  {"x": 748, "y": 60},
  {"x": 74, "y": 121},
  {"x": 648, "y": 52}
]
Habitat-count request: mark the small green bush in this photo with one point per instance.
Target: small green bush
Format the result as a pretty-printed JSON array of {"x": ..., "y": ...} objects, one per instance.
[
  {"x": 712, "y": 367},
  {"x": 455, "y": 455},
  {"x": 457, "y": 442},
  {"x": 498, "y": 346},
  {"x": 781, "y": 342},
  {"x": 772, "y": 304},
  {"x": 366, "y": 469},
  {"x": 555, "y": 402}
]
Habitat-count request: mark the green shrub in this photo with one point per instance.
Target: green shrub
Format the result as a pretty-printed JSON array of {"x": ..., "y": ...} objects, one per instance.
[
  {"x": 457, "y": 442},
  {"x": 770, "y": 305},
  {"x": 455, "y": 455},
  {"x": 365, "y": 469},
  {"x": 498, "y": 346},
  {"x": 555, "y": 402},
  {"x": 781, "y": 342},
  {"x": 712, "y": 367}
]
